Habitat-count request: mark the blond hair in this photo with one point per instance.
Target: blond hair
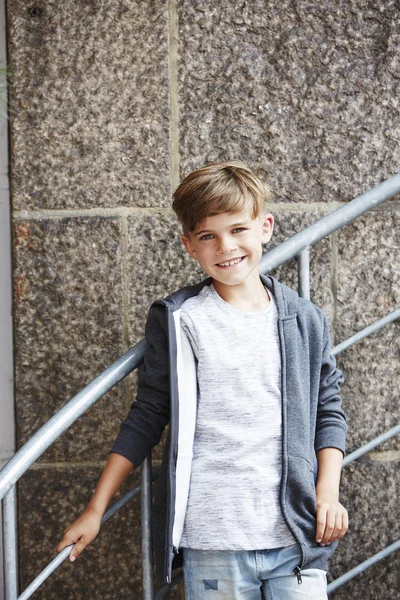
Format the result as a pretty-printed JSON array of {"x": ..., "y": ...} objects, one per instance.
[{"x": 227, "y": 186}]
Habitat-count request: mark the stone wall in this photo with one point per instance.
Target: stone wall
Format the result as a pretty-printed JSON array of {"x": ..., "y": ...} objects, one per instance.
[{"x": 113, "y": 101}]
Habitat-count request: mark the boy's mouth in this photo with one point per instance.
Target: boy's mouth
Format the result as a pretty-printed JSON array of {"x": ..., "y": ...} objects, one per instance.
[{"x": 231, "y": 263}]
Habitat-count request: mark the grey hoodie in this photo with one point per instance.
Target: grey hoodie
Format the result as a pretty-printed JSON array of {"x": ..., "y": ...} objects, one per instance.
[{"x": 312, "y": 417}]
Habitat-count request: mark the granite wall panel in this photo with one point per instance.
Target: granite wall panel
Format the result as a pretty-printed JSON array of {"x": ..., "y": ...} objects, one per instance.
[
  {"x": 68, "y": 327},
  {"x": 368, "y": 288},
  {"x": 90, "y": 89},
  {"x": 307, "y": 91}
]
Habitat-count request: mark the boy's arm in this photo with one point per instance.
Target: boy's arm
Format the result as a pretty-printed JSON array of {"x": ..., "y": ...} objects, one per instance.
[
  {"x": 83, "y": 531},
  {"x": 139, "y": 433},
  {"x": 150, "y": 413},
  {"x": 331, "y": 421},
  {"x": 332, "y": 518}
]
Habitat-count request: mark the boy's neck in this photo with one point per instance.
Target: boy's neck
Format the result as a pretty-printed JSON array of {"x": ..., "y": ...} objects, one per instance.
[{"x": 249, "y": 296}]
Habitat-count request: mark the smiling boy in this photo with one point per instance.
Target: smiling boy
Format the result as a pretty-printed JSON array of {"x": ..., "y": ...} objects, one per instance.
[
  {"x": 242, "y": 369},
  {"x": 228, "y": 248}
]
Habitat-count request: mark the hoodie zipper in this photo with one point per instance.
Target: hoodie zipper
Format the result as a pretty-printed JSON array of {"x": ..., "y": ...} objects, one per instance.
[{"x": 297, "y": 570}]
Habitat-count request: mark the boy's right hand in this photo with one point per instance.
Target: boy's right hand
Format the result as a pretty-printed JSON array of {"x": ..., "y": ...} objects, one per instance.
[{"x": 81, "y": 533}]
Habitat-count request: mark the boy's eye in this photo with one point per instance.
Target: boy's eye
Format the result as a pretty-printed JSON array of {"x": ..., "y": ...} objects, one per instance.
[{"x": 209, "y": 236}]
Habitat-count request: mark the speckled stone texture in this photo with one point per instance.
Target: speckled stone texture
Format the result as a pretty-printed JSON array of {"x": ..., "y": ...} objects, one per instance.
[
  {"x": 368, "y": 279},
  {"x": 68, "y": 327},
  {"x": 368, "y": 288},
  {"x": 308, "y": 91},
  {"x": 90, "y": 121},
  {"x": 370, "y": 491}
]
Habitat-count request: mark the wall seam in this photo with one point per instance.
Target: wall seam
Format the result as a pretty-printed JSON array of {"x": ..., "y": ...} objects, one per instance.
[
  {"x": 125, "y": 288},
  {"x": 299, "y": 207},
  {"x": 173, "y": 32},
  {"x": 132, "y": 211},
  {"x": 83, "y": 212},
  {"x": 384, "y": 456},
  {"x": 334, "y": 282},
  {"x": 125, "y": 303}
]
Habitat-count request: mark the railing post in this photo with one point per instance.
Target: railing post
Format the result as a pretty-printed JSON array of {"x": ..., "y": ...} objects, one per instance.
[
  {"x": 10, "y": 545},
  {"x": 303, "y": 269},
  {"x": 147, "y": 549}
]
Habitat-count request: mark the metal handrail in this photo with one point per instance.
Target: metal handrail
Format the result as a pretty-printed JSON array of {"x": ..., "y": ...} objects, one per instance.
[
  {"x": 10, "y": 549},
  {"x": 338, "y": 218},
  {"x": 67, "y": 415},
  {"x": 299, "y": 245},
  {"x": 96, "y": 389},
  {"x": 63, "y": 555}
]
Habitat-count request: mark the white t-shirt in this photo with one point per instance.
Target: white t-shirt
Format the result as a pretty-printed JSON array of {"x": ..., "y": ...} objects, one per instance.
[{"x": 233, "y": 499}]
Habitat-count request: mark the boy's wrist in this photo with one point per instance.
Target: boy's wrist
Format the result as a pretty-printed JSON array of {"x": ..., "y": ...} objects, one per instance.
[
  {"x": 95, "y": 509},
  {"x": 327, "y": 493},
  {"x": 329, "y": 470}
]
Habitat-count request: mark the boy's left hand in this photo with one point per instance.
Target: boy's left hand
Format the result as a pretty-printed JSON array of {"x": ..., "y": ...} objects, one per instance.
[{"x": 332, "y": 519}]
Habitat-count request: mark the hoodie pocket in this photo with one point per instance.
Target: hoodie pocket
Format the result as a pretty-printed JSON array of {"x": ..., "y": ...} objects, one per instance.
[{"x": 301, "y": 487}]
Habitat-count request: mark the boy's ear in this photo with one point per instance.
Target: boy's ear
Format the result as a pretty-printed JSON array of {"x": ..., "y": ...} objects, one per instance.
[
  {"x": 188, "y": 245},
  {"x": 267, "y": 227}
]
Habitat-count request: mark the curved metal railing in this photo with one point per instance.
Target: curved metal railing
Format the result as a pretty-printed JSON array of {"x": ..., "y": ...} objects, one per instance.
[{"x": 297, "y": 246}]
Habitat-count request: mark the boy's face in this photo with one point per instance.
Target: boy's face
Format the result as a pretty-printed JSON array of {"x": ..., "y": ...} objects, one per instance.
[{"x": 228, "y": 246}]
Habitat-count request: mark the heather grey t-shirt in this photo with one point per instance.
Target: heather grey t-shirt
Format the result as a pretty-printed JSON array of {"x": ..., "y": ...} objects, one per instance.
[{"x": 233, "y": 499}]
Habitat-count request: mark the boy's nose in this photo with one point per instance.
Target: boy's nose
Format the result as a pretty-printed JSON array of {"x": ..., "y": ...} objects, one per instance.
[{"x": 226, "y": 245}]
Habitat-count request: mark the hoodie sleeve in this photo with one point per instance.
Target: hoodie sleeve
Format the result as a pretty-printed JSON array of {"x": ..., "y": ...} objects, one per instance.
[
  {"x": 150, "y": 413},
  {"x": 331, "y": 420}
]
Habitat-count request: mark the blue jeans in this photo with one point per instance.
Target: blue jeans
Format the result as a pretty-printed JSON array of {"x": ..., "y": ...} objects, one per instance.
[{"x": 250, "y": 575}]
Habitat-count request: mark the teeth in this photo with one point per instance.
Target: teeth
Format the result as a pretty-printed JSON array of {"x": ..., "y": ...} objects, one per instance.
[{"x": 230, "y": 263}]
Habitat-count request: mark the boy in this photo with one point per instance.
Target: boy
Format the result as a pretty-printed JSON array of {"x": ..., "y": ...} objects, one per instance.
[{"x": 242, "y": 369}]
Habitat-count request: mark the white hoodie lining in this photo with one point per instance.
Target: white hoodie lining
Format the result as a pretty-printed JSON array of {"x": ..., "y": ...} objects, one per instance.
[{"x": 187, "y": 391}]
